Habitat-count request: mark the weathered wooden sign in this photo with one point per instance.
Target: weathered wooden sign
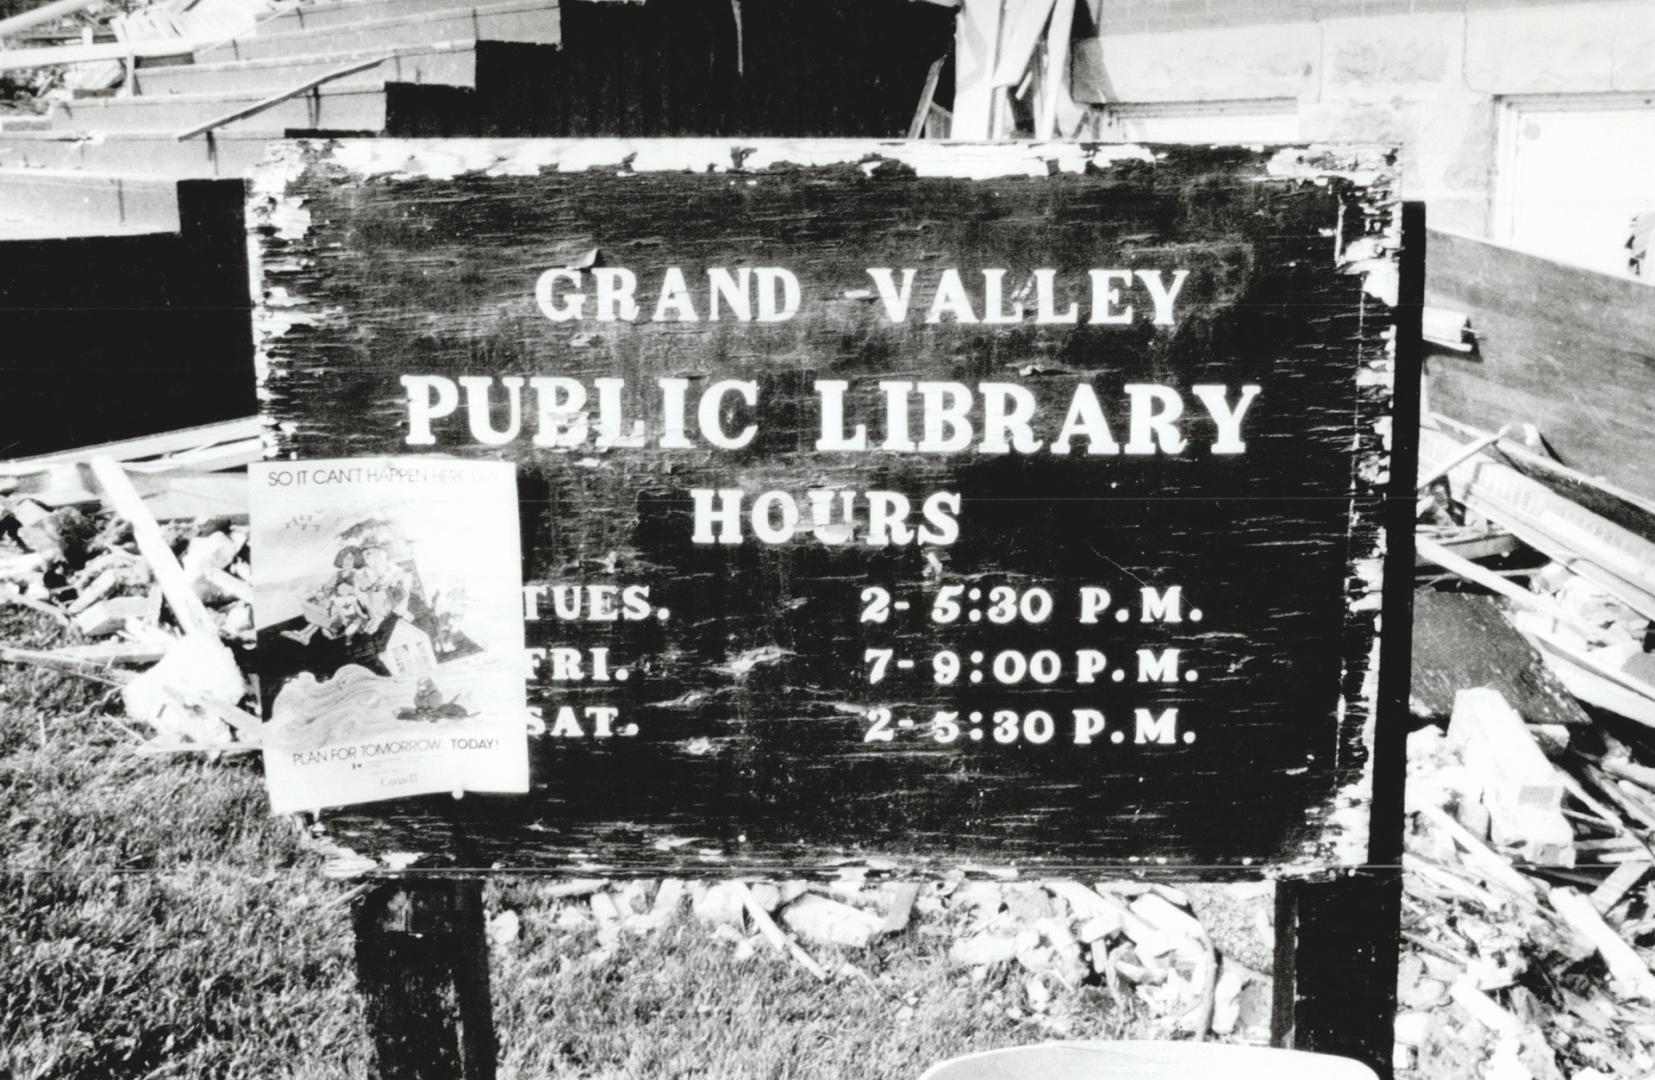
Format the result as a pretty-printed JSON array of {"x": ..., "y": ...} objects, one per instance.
[{"x": 941, "y": 505}]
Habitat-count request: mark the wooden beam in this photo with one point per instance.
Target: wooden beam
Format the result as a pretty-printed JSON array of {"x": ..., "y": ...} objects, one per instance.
[
  {"x": 146, "y": 446},
  {"x": 1465, "y": 453},
  {"x": 1026, "y": 24},
  {"x": 1521, "y": 453},
  {"x": 976, "y": 45},
  {"x": 206, "y": 459},
  {"x": 1567, "y": 349},
  {"x": 41, "y": 15},
  {"x": 1615, "y": 558},
  {"x": 1494, "y": 583},
  {"x": 422, "y": 967},
  {"x": 124, "y": 499},
  {"x": 1626, "y": 967},
  {"x": 52, "y": 56},
  {"x": 1335, "y": 968},
  {"x": 1055, "y": 85},
  {"x": 286, "y": 95},
  {"x": 922, "y": 112},
  {"x": 60, "y": 660}
]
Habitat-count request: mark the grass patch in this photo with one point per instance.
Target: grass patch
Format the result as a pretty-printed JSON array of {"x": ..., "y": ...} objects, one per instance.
[
  {"x": 683, "y": 1002},
  {"x": 157, "y": 922}
]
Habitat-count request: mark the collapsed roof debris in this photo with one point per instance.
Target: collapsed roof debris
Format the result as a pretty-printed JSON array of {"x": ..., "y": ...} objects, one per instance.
[{"x": 1529, "y": 922}]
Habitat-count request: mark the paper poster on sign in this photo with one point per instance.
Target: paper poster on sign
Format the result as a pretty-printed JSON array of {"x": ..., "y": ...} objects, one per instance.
[{"x": 388, "y": 604}]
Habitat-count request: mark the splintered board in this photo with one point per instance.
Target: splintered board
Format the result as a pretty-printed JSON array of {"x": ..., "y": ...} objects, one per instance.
[{"x": 916, "y": 506}]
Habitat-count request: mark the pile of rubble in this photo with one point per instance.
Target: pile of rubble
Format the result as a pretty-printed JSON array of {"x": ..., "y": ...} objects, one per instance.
[
  {"x": 156, "y": 590},
  {"x": 1529, "y": 920},
  {"x": 164, "y": 611},
  {"x": 1529, "y": 911},
  {"x": 1512, "y": 969},
  {"x": 1143, "y": 943}
]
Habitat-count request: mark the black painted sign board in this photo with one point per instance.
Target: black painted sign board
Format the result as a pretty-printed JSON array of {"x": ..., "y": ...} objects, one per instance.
[{"x": 916, "y": 506}]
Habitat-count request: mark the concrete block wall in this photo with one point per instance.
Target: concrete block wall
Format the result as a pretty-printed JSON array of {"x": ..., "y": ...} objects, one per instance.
[
  {"x": 1138, "y": 16},
  {"x": 1428, "y": 75}
]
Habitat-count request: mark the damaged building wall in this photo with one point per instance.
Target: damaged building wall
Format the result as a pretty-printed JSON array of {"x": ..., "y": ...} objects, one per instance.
[
  {"x": 1429, "y": 75},
  {"x": 1527, "y": 129}
]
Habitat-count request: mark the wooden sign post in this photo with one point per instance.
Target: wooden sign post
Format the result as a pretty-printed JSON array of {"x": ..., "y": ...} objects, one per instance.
[{"x": 925, "y": 507}]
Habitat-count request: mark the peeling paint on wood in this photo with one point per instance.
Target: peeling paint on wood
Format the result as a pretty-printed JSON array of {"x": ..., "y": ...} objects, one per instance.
[{"x": 752, "y": 698}]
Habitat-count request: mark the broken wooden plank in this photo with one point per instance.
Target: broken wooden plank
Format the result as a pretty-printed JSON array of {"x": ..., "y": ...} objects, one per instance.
[
  {"x": 1610, "y": 788},
  {"x": 1621, "y": 881},
  {"x": 1025, "y": 27},
  {"x": 56, "y": 660},
  {"x": 1475, "y": 545},
  {"x": 109, "y": 616},
  {"x": 20, "y": 566},
  {"x": 1054, "y": 81},
  {"x": 901, "y": 908},
  {"x": 171, "y": 491},
  {"x": 1625, "y": 966},
  {"x": 928, "y": 92},
  {"x": 1602, "y": 814},
  {"x": 831, "y": 922},
  {"x": 41, "y": 15},
  {"x": 1086, "y": 903},
  {"x": 773, "y": 933},
  {"x": 11, "y": 595},
  {"x": 1636, "y": 796},
  {"x": 147, "y": 446},
  {"x": 1450, "y": 882},
  {"x": 1526, "y": 456},
  {"x": 1441, "y": 468},
  {"x": 976, "y": 47},
  {"x": 115, "y": 652},
  {"x": 160, "y": 747},
  {"x": 1642, "y": 775},
  {"x": 284, "y": 95},
  {"x": 214, "y": 457},
  {"x": 1606, "y": 843},
  {"x": 1495, "y": 583},
  {"x": 1586, "y": 676},
  {"x": 175, "y": 496},
  {"x": 1446, "y": 328},
  {"x": 118, "y": 491},
  {"x": 57, "y": 488},
  {"x": 105, "y": 582},
  {"x": 1615, "y": 558},
  {"x": 1483, "y": 1008},
  {"x": 1481, "y": 858},
  {"x": 123, "y": 51}
]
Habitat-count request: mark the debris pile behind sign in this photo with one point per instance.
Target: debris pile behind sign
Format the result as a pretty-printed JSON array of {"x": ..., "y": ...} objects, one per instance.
[
  {"x": 1026, "y": 946},
  {"x": 1529, "y": 920},
  {"x": 139, "y": 550}
]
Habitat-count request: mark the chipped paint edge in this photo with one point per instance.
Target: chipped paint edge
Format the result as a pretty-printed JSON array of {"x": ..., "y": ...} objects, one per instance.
[
  {"x": 1376, "y": 257},
  {"x": 273, "y": 212}
]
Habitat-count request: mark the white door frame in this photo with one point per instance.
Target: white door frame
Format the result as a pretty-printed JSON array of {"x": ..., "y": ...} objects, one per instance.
[{"x": 1512, "y": 110}]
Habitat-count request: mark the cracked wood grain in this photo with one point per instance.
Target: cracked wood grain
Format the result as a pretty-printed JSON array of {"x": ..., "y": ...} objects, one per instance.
[{"x": 382, "y": 258}]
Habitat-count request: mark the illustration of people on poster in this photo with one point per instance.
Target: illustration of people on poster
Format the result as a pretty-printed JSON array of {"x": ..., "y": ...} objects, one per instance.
[{"x": 387, "y": 597}]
